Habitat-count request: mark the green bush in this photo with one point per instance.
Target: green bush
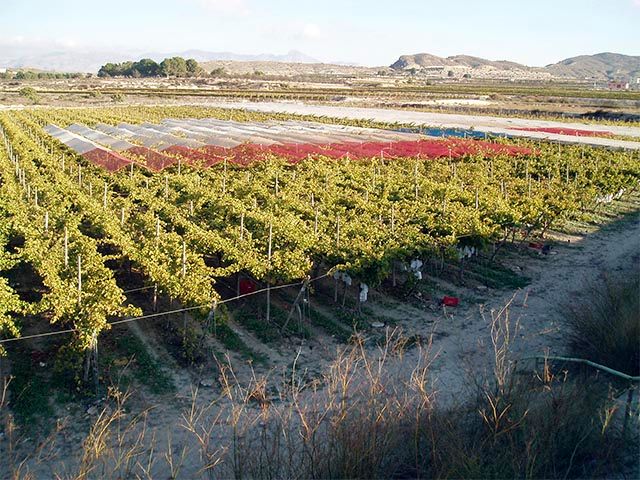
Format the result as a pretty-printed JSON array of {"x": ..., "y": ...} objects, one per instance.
[
  {"x": 606, "y": 328},
  {"x": 30, "y": 93}
]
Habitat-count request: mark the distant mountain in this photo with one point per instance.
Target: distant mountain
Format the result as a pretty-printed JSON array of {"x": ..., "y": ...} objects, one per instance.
[
  {"x": 602, "y": 66},
  {"x": 292, "y": 56},
  {"x": 426, "y": 60},
  {"x": 61, "y": 61},
  {"x": 91, "y": 61},
  {"x": 420, "y": 60},
  {"x": 476, "y": 62}
]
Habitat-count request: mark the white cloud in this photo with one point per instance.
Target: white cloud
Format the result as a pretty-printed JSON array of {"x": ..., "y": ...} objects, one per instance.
[
  {"x": 226, "y": 7},
  {"x": 311, "y": 31},
  {"x": 296, "y": 30},
  {"x": 20, "y": 41}
]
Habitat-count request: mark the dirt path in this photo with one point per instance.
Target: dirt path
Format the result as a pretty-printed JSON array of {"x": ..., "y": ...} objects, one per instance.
[
  {"x": 462, "y": 341},
  {"x": 160, "y": 354}
]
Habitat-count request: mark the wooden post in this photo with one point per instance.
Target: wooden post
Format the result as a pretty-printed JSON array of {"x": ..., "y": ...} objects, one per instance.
[
  {"x": 46, "y": 221},
  {"x": 79, "y": 279},
  {"x": 268, "y": 283},
  {"x": 224, "y": 177},
  {"x": 155, "y": 297},
  {"x": 393, "y": 217},
  {"x": 157, "y": 227},
  {"x": 627, "y": 410},
  {"x": 211, "y": 319},
  {"x": 295, "y": 306},
  {"x": 66, "y": 247},
  {"x": 477, "y": 200},
  {"x": 315, "y": 223},
  {"x": 184, "y": 259},
  {"x": 242, "y": 226},
  {"x": 94, "y": 351}
]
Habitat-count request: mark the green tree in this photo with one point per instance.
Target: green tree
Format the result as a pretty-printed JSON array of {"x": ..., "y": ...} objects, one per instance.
[
  {"x": 193, "y": 68},
  {"x": 218, "y": 72},
  {"x": 147, "y": 68},
  {"x": 174, "y": 67}
]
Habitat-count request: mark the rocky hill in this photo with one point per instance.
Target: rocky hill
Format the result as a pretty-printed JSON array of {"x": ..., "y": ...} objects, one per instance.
[
  {"x": 601, "y": 67},
  {"x": 426, "y": 60},
  {"x": 466, "y": 65}
]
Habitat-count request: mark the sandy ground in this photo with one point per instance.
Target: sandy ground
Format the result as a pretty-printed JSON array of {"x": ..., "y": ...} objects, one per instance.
[
  {"x": 449, "y": 120},
  {"x": 557, "y": 280}
]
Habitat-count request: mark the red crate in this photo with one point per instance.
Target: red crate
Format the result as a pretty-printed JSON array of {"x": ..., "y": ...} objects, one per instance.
[
  {"x": 247, "y": 286},
  {"x": 450, "y": 301}
]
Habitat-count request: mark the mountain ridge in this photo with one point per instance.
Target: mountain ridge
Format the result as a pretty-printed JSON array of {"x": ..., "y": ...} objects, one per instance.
[
  {"x": 91, "y": 61},
  {"x": 604, "y": 66},
  {"x": 600, "y": 66}
]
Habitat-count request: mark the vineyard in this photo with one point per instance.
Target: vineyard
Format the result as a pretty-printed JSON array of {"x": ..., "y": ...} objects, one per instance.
[{"x": 191, "y": 207}]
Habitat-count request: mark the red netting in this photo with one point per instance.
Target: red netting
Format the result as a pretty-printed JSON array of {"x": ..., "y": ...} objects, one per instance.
[
  {"x": 568, "y": 131},
  {"x": 248, "y": 153},
  {"x": 151, "y": 159},
  {"x": 192, "y": 157},
  {"x": 106, "y": 159}
]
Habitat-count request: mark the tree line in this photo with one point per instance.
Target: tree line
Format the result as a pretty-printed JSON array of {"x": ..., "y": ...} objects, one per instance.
[
  {"x": 169, "y": 67},
  {"x": 31, "y": 75}
]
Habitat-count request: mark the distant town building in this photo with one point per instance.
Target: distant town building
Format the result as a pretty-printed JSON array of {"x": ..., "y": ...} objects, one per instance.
[{"x": 618, "y": 85}]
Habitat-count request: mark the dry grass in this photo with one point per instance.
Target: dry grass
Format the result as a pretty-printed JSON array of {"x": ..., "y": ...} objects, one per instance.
[
  {"x": 368, "y": 416},
  {"x": 606, "y": 327}
]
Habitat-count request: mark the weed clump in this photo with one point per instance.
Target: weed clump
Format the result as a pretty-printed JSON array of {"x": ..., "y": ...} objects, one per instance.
[{"x": 606, "y": 328}]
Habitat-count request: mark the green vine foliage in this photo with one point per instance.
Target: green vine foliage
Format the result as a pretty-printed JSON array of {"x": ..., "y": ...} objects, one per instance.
[{"x": 185, "y": 228}]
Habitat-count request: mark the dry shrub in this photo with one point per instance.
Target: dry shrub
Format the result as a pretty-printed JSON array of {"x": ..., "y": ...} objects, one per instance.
[
  {"x": 606, "y": 327},
  {"x": 369, "y": 416}
]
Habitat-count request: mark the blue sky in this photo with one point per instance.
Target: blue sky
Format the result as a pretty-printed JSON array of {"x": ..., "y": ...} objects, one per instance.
[{"x": 365, "y": 32}]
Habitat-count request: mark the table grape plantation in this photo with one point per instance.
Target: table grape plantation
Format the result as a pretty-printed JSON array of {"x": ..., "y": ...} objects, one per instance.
[
  {"x": 189, "y": 224},
  {"x": 248, "y": 231}
]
